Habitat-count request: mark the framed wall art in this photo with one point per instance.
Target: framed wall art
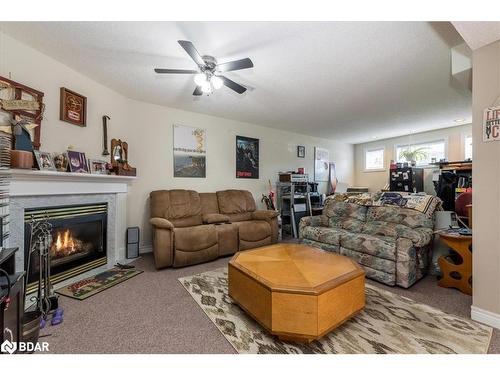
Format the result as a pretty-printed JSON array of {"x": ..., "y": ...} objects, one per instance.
[
  {"x": 44, "y": 160},
  {"x": 77, "y": 162},
  {"x": 73, "y": 107},
  {"x": 301, "y": 151},
  {"x": 321, "y": 164},
  {"x": 190, "y": 155},
  {"x": 247, "y": 157},
  {"x": 98, "y": 166}
]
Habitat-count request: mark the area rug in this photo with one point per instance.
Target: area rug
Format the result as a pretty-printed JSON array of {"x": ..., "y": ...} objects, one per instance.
[
  {"x": 389, "y": 324},
  {"x": 88, "y": 287}
]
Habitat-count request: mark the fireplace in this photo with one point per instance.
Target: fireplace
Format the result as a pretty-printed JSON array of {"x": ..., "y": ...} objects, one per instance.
[{"x": 78, "y": 240}]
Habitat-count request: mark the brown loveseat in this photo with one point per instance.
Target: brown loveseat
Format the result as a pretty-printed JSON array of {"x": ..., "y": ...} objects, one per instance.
[{"x": 191, "y": 227}]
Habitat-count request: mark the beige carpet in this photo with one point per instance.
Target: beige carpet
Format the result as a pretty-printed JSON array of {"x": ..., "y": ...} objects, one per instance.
[
  {"x": 389, "y": 324},
  {"x": 153, "y": 313}
]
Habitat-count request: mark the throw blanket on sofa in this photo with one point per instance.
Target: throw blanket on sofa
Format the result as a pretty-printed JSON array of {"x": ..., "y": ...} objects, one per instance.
[{"x": 427, "y": 204}]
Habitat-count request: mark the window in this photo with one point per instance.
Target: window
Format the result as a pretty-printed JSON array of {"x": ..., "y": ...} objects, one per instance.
[
  {"x": 468, "y": 147},
  {"x": 425, "y": 153},
  {"x": 374, "y": 159}
]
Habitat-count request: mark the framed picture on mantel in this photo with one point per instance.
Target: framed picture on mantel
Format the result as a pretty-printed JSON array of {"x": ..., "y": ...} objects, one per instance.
[{"x": 73, "y": 107}]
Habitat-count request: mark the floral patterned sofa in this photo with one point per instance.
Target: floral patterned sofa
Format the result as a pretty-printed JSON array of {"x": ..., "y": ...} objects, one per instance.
[{"x": 392, "y": 243}]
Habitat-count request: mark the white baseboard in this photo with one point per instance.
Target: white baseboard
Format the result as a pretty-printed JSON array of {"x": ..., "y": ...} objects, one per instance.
[
  {"x": 146, "y": 249},
  {"x": 485, "y": 317}
]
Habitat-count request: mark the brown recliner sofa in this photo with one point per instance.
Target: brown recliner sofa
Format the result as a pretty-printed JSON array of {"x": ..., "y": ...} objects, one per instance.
[{"x": 191, "y": 227}]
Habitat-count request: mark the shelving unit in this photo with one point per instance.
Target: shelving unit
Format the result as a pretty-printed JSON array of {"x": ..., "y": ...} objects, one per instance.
[{"x": 293, "y": 209}]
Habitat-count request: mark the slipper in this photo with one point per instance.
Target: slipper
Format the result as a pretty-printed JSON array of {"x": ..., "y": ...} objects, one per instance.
[{"x": 57, "y": 318}]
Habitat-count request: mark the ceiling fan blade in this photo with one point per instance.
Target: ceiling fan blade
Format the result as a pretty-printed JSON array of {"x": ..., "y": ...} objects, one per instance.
[
  {"x": 197, "y": 91},
  {"x": 191, "y": 51},
  {"x": 175, "y": 71},
  {"x": 233, "y": 85},
  {"x": 235, "y": 65}
]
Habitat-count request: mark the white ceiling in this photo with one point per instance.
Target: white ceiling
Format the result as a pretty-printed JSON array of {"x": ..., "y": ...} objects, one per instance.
[
  {"x": 478, "y": 34},
  {"x": 351, "y": 81}
]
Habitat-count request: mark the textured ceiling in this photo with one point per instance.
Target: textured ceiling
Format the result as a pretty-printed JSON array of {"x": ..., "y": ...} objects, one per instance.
[
  {"x": 478, "y": 34},
  {"x": 351, "y": 81}
]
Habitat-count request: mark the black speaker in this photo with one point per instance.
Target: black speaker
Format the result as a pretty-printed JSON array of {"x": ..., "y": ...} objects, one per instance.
[{"x": 132, "y": 242}]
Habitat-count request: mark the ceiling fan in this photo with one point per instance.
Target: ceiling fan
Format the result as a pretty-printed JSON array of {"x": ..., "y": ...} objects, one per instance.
[{"x": 208, "y": 76}]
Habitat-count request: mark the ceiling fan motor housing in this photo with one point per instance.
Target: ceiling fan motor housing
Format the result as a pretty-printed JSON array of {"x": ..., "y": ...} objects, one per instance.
[{"x": 210, "y": 63}]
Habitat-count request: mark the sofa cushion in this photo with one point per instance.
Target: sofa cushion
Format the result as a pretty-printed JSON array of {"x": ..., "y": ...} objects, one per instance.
[
  {"x": 344, "y": 210},
  {"x": 326, "y": 235},
  {"x": 398, "y": 215},
  {"x": 419, "y": 236},
  {"x": 235, "y": 201},
  {"x": 209, "y": 203},
  {"x": 227, "y": 238},
  {"x": 253, "y": 230},
  {"x": 181, "y": 207},
  {"x": 195, "y": 238},
  {"x": 378, "y": 246}
]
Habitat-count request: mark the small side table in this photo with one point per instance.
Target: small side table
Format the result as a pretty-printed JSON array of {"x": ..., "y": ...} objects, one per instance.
[{"x": 457, "y": 275}]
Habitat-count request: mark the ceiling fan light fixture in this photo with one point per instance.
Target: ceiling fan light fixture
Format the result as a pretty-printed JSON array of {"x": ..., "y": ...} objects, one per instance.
[
  {"x": 216, "y": 82},
  {"x": 200, "y": 78},
  {"x": 206, "y": 87}
]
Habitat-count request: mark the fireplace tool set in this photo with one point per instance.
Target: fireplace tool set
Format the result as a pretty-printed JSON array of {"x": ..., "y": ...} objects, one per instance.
[{"x": 47, "y": 301}]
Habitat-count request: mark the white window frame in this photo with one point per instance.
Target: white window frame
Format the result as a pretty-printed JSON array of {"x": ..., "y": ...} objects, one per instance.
[
  {"x": 371, "y": 149},
  {"x": 464, "y": 137},
  {"x": 413, "y": 144}
]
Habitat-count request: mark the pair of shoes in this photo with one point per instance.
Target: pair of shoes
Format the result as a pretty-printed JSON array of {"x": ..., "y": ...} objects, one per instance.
[
  {"x": 57, "y": 317},
  {"x": 124, "y": 266}
]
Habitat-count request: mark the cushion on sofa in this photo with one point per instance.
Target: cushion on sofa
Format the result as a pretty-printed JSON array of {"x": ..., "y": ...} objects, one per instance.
[
  {"x": 378, "y": 246},
  {"x": 419, "y": 236},
  {"x": 209, "y": 203},
  {"x": 326, "y": 235},
  {"x": 195, "y": 238},
  {"x": 253, "y": 230},
  {"x": 344, "y": 210},
  {"x": 397, "y": 215},
  {"x": 181, "y": 207},
  {"x": 235, "y": 201}
]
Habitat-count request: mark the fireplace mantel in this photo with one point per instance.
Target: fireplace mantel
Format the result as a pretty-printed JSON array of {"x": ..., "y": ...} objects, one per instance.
[{"x": 31, "y": 182}]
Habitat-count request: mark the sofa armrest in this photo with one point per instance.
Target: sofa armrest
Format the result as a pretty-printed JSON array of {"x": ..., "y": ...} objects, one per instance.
[
  {"x": 311, "y": 221},
  {"x": 264, "y": 214},
  {"x": 271, "y": 217},
  {"x": 159, "y": 222},
  {"x": 215, "y": 218}
]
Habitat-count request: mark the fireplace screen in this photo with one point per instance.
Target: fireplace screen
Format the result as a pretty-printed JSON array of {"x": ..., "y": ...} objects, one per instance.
[{"x": 78, "y": 240}]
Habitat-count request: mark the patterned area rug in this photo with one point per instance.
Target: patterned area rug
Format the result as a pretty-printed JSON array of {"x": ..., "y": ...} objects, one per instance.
[
  {"x": 389, "y": 324},
  {"x": 88, "y": 287}
]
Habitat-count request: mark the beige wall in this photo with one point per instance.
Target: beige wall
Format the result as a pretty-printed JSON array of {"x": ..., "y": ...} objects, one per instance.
[
  {"x": 454, "y": 138},
  {"x": 486, "y": 177},
  {"x": 148, "y": 130}
]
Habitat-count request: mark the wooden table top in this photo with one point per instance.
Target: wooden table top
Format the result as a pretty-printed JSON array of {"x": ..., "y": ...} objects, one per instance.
[
  {"x": 296, "y": 267},
  {"x": 454, "y": 235}
]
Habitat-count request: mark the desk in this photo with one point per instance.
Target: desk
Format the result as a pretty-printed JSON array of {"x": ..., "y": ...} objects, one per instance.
[{"x": 457, "y": 275}]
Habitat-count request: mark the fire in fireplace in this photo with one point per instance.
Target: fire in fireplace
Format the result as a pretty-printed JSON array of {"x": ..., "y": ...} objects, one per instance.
[{"x": 78, "y": 240}]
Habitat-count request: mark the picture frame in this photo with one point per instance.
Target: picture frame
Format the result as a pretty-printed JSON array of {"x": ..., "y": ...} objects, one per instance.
[
  {"x": 73, "y": 107},
  {"x": 301, "y": 151},
  {"x": 77, "y": 162},
  {"x": 44, "y": 160},
  {"x": 189, "y": 151},
  {"x": 61, "y": 161},
  {"x": 247, "y": 157},
  {"x": 98, "y": 166},
  {"x": 321, "y": 164}
]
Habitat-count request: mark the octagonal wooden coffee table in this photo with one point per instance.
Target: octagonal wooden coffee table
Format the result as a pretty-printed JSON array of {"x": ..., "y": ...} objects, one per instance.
[{"x": 297, "y": 292}]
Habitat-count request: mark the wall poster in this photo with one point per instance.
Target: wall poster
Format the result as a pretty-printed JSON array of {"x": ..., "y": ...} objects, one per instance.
[
  {"x": 247, "y": 157},
  {"x": 189, "y": 152}
]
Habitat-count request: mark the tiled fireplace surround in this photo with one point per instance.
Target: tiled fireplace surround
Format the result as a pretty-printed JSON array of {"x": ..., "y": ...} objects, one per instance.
[{"x": 31, "y": 189}]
